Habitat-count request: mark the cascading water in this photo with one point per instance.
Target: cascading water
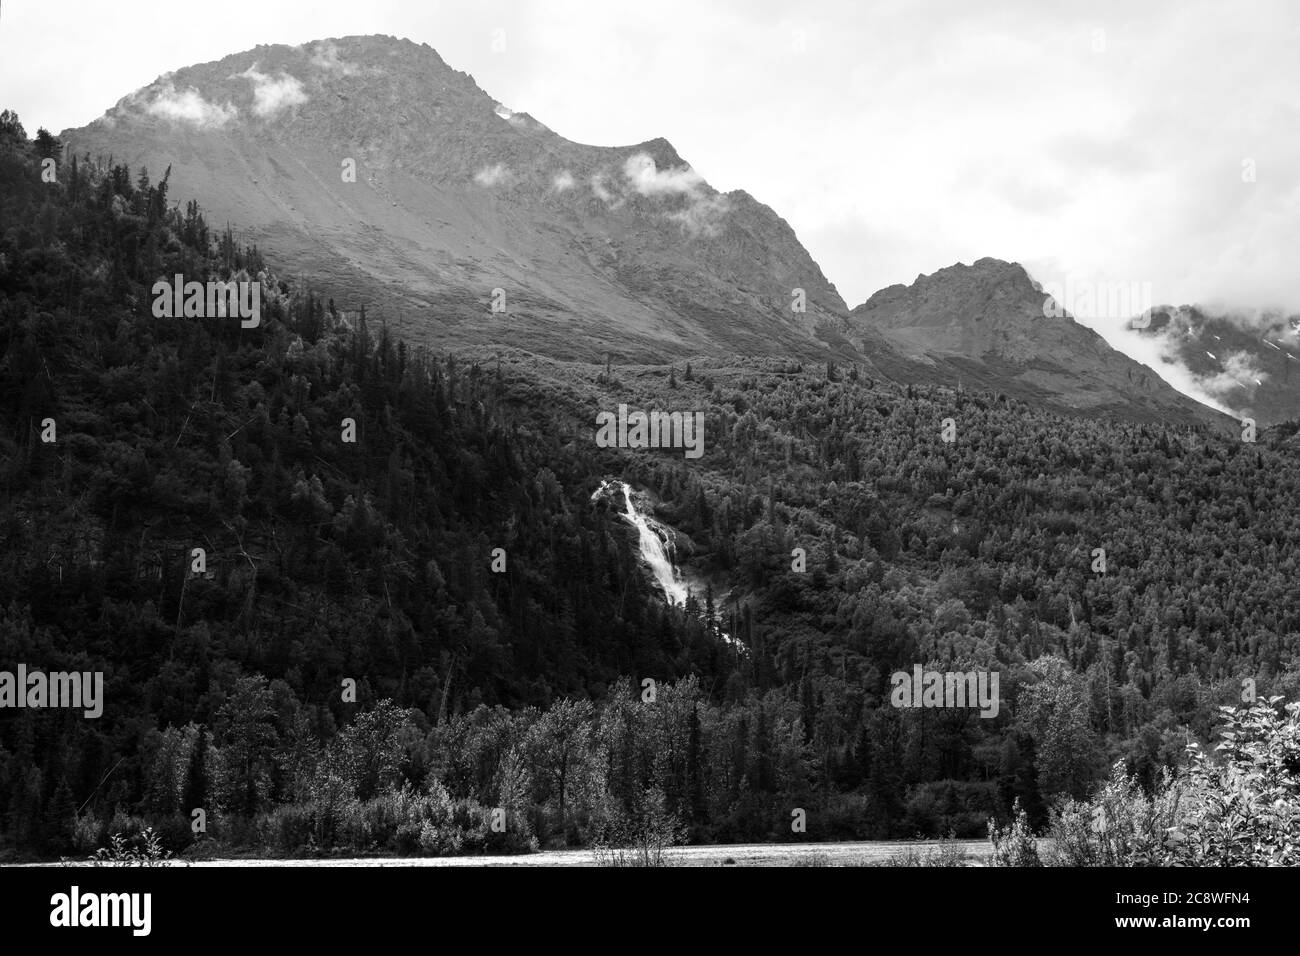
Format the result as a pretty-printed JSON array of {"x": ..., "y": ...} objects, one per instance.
[
  {"x": 655, "y": 540},
  {"x": 657, "y": 549}
]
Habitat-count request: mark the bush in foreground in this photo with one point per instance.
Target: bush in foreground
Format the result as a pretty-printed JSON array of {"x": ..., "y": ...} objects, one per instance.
[{"x": 1240, "y": 807}]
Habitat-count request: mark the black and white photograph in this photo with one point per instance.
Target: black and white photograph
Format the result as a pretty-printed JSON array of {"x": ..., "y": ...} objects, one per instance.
[{"x": 516, "y": 436}]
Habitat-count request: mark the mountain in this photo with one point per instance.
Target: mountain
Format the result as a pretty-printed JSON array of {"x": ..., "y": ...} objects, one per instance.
[
  {"x": 385, "y": 178},
  {"x": 986, "y": 326},
  {"x": 623, "y": 249},
  {"x": 1251, "y": 363}
]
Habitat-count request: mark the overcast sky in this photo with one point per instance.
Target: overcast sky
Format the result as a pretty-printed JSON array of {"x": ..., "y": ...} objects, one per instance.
[{"x": 1104, "y": 142}]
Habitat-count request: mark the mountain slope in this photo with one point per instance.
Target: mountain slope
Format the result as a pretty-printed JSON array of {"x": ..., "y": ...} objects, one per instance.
[
  {"x": 596, "y": 249},
  {"x": 984, "y": 325},
  {"x": 1250, "y": 363}
]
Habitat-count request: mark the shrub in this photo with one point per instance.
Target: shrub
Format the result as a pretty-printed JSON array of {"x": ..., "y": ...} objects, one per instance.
[
  {"x": 1241, "y": 809},
  {"x": 1245, "y": 811},
  {"x": 88, "y": 832},
  {"x": 1014, "y": 844},
  {"x": 638, "y": 836},
  {"x": 949, "y": 852},
  {"x": 1120, "y": 826},
  {"x": 145, "y": 850}
]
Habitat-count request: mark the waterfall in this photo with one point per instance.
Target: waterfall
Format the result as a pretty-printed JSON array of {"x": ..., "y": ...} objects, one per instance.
[
  {"x": 656, "y": 543},
  {"x": 657, "y": 552}
]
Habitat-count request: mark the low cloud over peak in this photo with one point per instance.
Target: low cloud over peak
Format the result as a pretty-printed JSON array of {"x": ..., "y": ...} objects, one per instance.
[
  {"x": 188, "y": 106},
  {"x": 325, "y": 56},
  {"x": 647, "y": 179},
  {"x": 271, "y": 94}
]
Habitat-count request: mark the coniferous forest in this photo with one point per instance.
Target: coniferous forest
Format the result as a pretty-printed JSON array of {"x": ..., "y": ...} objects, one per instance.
[{"x": 432, "y": 640}]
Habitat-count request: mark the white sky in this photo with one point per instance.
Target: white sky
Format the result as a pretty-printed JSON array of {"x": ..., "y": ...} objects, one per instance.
[{"x": 1100, "y": 141}]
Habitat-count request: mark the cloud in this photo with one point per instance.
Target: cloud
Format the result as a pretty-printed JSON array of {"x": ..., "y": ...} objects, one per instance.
[
  {"x": 326, "y": 57},
  {"x": 598, "y": 187},
  {"x": 1159, "y": 352},
  {"x": 1237, "y": 378},
  {"x": 648, "y": 180},
  {"x": 273, "y": 94},
  {"x": 189, "y": 106},
  {"x": 492, "y": 175},
  {"x": 1270, "y": 322},
  {"x": 563, "y": 182},
  {"x": 1240, "y": 371},
  {"x": 703, "y": 217}
]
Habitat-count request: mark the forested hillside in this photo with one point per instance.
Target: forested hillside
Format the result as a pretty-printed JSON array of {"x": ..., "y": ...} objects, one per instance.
[{"x": 329, "y": 561}]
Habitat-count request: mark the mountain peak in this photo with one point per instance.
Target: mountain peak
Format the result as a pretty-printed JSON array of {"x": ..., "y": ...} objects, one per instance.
[
  {"x": 992, "y": 295},
  {"x": 987, "y": 323},
  {"x": 986, "y": 268},
  {"x": 384, "y": 176}
]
